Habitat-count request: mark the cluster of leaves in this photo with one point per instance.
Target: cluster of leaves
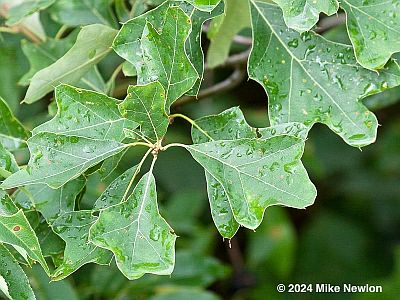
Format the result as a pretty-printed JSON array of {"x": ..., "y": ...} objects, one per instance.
[{"x": 308, "y": 79}]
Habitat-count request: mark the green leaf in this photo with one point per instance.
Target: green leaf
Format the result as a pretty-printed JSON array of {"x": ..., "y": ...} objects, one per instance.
[
  {"x": 16, "y": 231},
  {"x": 110, "y": 164},
  {"x": 145, "y": 105},
  {"x": 26, "y": 8},
  {"x": 86, "y": 114},
  {"x": 374, "y": 29},
  {"x": 204, "y": 5},
  {"x": 302, "y": 15},
  {"x": 256, "y": 174},
  {"x": 165, "y": 58},
  {"x": 117, "y": 191},
  {"x": 12, "y": 133},
  {"x": 73, "y": 228},
  {"x": 51, "y": 203},
  {"x": 228, "y": 125},
  {"x": 7, "y": 206},
  {"x": 92, "y": 45},
  {"x": 13, "y": 281},
  {"x": 295, "y": 129},
  {"x": 8, "y": 165},
  {"x": 193, "y": 46},
  {"x": 310, "y": 80},
  {"x": 57, "y": 159},
  {"x": 44, "y": 54},
  {"x": 141, "y": 240},
  {"x": 236, "y": 18},
  {"x": 77, "y": 12}
]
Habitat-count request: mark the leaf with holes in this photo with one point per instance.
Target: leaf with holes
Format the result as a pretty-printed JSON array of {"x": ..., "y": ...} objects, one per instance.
[
  {"x": 310, "y": 79},
  {"x": 374, "y": 30},
  {"x": 134, "y": 231}
]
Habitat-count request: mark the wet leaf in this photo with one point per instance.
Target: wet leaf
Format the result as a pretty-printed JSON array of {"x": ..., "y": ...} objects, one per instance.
[
  {"x": 310, "y": 80},
  {"x": 374, "y": 29},
  {"x": 86, "y": 114},
  {"x": 92, "y": 45},
  {"x": 12, "y": 133},
  {"x": 16, "y": 231},
  {"x": 51, "y": 203},
  {"x": 169, "y": 65},
  {"x": 134, "y": 231},
  {"x": 7, "y": 206},
  {"x": 73, "y": 228},
  {"x": 302, "y": 15},
  {"x": 145, "y": 105},
  {"x": 14, "y": 283},
  {"x": 57, "y": 159},
  {"x": 256, "y": 174},
  {"x": 117, "y": 191},
  {"x": 228, "y": 125}
]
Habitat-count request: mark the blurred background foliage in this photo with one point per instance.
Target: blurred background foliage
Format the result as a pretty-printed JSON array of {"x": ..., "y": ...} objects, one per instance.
[{"x": 350, "y": 235}]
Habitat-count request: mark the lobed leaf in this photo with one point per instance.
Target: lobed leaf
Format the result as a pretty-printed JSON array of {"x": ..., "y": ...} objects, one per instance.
[
  {"x": 310, "y": 79},
  {"x": 256, "y": 174},
  {"x": 57, "y": 159},
  {"x": 374, "y": 29},
  {"x": 73, "y": 228},
  {"x": 204, "y": 5},
  {"x": 145, "y": 105},
  {"x": 164, "y": 56},
  {"x": 86, "y": 114},
  {"x": 134, "y": 231}
]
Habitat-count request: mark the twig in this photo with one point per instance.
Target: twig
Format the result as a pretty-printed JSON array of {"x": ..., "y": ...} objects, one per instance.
[
  {"x": 234, "y": 60},
  {"x": 330, "y": 22},
  {"x": 231, "y": 82}
]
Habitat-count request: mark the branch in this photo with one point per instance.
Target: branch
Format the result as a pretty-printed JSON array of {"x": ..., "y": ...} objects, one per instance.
[
  {"x": 228, "y": 84},
  {"x": 330, "y": 22},
  {"x": 234, "y": 60}
]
